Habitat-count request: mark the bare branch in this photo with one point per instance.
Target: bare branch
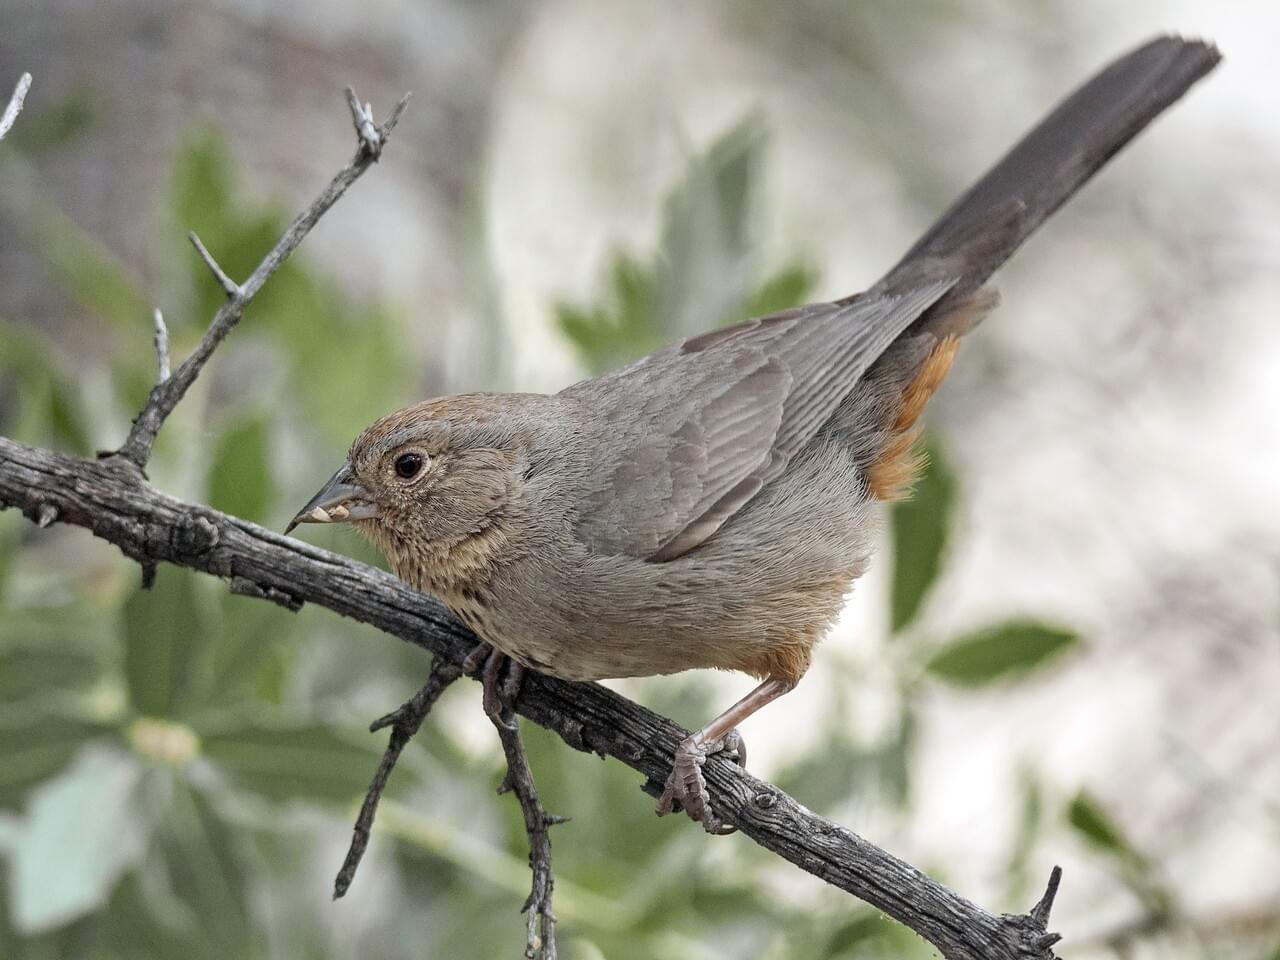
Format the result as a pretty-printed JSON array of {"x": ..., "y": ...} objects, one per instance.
[
  {"x": 15, "y": 104},
  {"x": 117, "y": 505},
  {"x": 499, "y": 705},
  {"x": 165, "y": 396},
  {"x": 162, "y": 346},
  {"x": 362, "y": 117},
  {"x": 404, "y": 723},
  {"x": 228, "y": 285}
]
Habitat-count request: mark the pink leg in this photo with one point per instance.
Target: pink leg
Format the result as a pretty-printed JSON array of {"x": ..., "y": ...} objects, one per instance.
[{"x": 686, "y": 784}]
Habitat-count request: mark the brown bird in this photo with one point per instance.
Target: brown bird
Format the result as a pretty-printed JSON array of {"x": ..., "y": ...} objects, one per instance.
[{"x": 711, "y": 504}]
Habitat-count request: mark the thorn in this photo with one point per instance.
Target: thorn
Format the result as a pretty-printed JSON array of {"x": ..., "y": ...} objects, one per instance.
[
  {"x": 46, "y": 513},
  {"x": 1046, "y": 940},
  {"x": 362, "y": 116},
  {"x": 385, "y": 130},
  {"x": 226, "y": 283},
  {"x": 162, "y": 346},
  {"x": 1040, "y": 912}
]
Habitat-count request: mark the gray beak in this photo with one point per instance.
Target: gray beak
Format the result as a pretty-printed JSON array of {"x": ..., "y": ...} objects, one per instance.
[{"x": 339, "y": 501}]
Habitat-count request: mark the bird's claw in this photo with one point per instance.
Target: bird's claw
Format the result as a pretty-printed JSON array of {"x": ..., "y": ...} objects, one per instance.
[{"x": 686, "y": 788}]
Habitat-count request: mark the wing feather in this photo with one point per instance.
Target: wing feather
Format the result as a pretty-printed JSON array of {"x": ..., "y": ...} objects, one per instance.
[{"x": 691, "y": 433}]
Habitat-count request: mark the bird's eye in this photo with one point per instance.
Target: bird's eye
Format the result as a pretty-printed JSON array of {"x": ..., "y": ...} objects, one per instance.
[{"x": 409, "y": 465}]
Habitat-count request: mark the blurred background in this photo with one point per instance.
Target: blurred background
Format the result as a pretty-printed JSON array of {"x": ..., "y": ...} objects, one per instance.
[{"x": 1068, "y": 650}]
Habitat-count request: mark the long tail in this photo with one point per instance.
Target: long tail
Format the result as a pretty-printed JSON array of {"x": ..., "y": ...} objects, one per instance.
[{"x": 986, "y": 225}]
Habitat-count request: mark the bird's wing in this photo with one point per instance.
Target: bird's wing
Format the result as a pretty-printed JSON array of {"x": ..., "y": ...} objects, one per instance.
[{"x": 692, "y": 432}]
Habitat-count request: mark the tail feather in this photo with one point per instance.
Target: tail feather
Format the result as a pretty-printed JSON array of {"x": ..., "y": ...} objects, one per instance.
[{"x": 1042, "y": 171}]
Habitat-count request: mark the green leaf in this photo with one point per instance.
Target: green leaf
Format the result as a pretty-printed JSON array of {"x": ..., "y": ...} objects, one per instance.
[
  {"x": 1086, "y": 815},
  {"x": 787, "y": 288},
  {"x": 703, "y": 265},
  {"x": 48, "y": 403},
  {"x": 307, "y": 762},
  {"x": 699, "y": 277},
  {"x": 918, "y": 528},
  {"x": 34, "y": 747},
  {"x": 1000, "y": 652},
  {"x": 84, "y": 828},
  {"x": 201, "y": 185},
  {"x": 240, "y": 481},
  {"x": 37, "y": 672},
  {"x": 161, "y": 641},
  {"x": 206, "y": 872},
  {"x": 250, "y": 651},
  {"x": 858, "y": 932}
]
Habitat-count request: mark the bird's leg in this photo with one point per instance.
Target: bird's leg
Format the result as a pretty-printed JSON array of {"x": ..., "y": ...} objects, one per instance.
[
  {"x": 499, "y": 697},
  {"x": 686, "y": 785}
]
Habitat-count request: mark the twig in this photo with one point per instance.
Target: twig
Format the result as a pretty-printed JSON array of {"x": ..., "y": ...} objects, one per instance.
[
  {"x": 162, "y": 346},
  {"x": 499, "y": 706},
  {"x": 15, "y": 104},
  {"x": 404, "y": 723},
  {"x": 118, "y": 506},
  {"x": 231, "y": 288},
  {"x": 362, "y": 117},
  {"x": 165, "y": 396}
]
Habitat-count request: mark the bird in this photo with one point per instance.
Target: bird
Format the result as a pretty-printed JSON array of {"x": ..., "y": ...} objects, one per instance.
[{"x": 710, "y": 505}]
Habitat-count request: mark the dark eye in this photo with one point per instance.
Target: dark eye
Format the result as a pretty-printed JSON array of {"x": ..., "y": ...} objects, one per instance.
[{"x": 409, "y": 465}]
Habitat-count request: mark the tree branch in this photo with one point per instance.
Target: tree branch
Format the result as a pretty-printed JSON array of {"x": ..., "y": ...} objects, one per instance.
[
  {"x": 499, "y": 705},
  {"x": 404, "y": 723},
  {"x": 111, "y": 498},
  {"x": 117, "y": 504},
  {"x": 15, "y": 104},
  {"x": 166, "y": 394}
]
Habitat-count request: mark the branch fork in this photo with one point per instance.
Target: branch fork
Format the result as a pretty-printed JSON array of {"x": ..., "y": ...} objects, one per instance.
[{"x": 166, "y": 394}]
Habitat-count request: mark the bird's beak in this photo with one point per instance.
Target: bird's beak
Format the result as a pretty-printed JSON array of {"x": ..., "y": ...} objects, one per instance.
[{"x": 339, "y": 501}]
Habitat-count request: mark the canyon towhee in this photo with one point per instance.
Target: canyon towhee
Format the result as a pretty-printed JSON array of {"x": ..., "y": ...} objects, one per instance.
[{"x": 711, "y": 504}]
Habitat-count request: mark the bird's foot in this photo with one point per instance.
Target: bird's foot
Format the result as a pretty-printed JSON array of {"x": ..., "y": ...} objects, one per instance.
[
  {"x": 686, "y": 787},
  {"x": 499, "y": 693}
]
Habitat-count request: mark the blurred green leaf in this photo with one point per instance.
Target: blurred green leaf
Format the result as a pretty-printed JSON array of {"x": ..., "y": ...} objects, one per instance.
[
  {"x": 787, "y": 288},
  {"x": 1000, "y": 652},
  {"x": 205, "y": 871},
  {"x": 32, "y": 671},
  {"x": 83, "y": 829},
  {"x": 296, "y": 761},
  {"x": 250, "y": 651},
  {"x": 35, "y": 746},
  {"x": 842, "y": 770},
  {"x": 240, "y": 480},
  {"x": 702, "y": 261},
  {"x": 1088, "y": 818},
  {"x": 918, "y": 528},
  {"x": 137, "y": 926},
  {"x": 699, "y": 277},
  {"x": 48, "y": 401},
  {"x": 1086, "y": 815},
  {"x": 161, "y": 643},
  {"x": 89, "y": 272},
  {"x": 201, "y": 185}
]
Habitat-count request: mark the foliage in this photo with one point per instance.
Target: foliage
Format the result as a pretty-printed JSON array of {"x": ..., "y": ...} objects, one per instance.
[
  {"x": 177, "y": 769},
  {"x": 701, "y": 274}
]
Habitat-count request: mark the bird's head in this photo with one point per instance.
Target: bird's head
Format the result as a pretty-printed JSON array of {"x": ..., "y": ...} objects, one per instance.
[{"x": 431, "y": 485}]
